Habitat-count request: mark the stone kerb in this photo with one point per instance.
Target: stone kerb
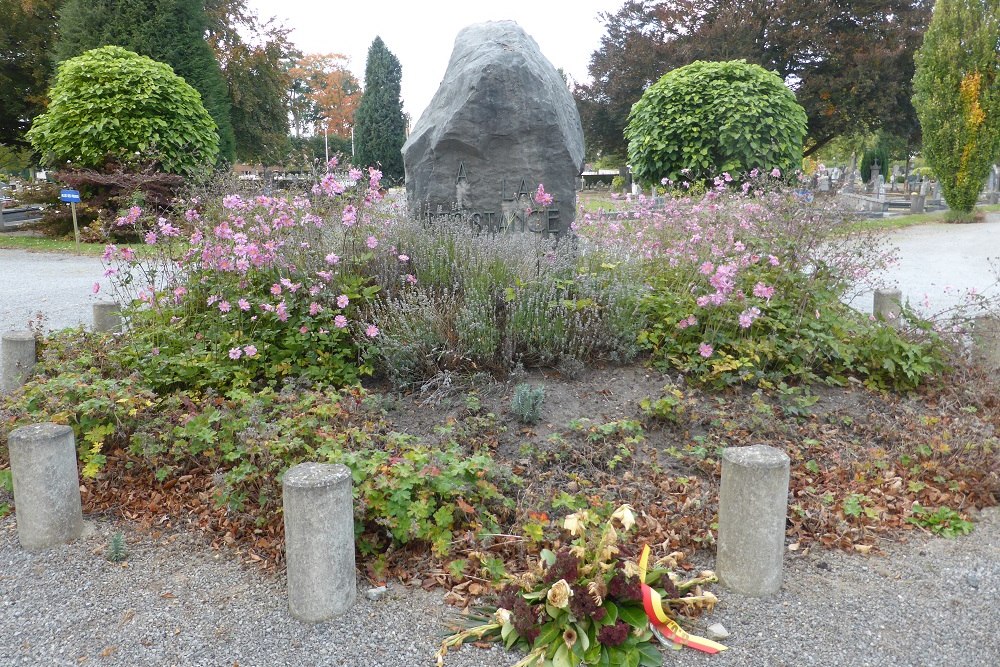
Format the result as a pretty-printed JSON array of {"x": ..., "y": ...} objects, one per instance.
[
  {"x": 107, "y": 317},
  {"x": 753, "y": 502},
  {"x": 319, "y": 541},
  {"x": 986, "y": 341},
  {"x": 46, "y": 485},
  {"x": 887, "y": 306},
  {"x": 17, "y": 349}
]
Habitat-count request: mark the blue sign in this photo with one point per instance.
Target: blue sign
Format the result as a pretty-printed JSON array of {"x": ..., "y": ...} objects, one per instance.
[{"x": 69, "y": 196}]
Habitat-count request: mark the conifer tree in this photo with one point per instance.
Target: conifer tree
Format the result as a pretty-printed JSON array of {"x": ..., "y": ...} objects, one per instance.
[
  {"x": 956, "y": 92},
  {"x": 379, "y": 123}
]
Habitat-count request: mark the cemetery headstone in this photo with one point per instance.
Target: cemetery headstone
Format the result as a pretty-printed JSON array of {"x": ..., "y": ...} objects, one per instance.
[{"x": 502, "y": 123}]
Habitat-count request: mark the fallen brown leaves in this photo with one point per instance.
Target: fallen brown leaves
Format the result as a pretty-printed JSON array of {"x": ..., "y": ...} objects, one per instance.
[{"x": 860, "y": 461}]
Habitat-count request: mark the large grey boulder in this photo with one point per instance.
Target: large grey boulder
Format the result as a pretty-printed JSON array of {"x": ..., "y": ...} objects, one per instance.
[{"x": 502, "y": 122}]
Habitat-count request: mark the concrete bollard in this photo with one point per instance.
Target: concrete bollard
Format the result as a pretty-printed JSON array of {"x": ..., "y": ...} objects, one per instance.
[
  {"x": 46, "y": 485},
  {"x": 986, "y": 341},
  {"x": 319, "y": 541},
  {"x": 107, "y": 317},
  {"x": 887, "y": 306},
  {"x": 18, "y": 351},
  {"x": 753, "y": 502}
]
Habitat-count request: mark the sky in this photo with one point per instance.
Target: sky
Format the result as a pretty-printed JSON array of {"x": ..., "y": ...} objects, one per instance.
[{"x": 421, "y": 33}]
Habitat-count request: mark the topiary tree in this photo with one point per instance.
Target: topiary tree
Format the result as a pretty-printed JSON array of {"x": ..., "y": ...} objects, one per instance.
[
  {"x": 956, "y": 92},
  {"x": 379, "y": 124},
  {"x": 113, "y": 105},
  {"x": 707, "y": 118}
]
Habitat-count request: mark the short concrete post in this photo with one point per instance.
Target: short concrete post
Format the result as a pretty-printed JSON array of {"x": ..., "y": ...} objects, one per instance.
[
  {"x": 986, "y": 341},
  {"x": 107, "y": 317},
  {"x": 319, "y": 541},
  {"x": 18, "y": 351},
  {"x": 887, "y": 306},
  {"x": 753, "y": 502},
  {"x": 46, "y": 485}
]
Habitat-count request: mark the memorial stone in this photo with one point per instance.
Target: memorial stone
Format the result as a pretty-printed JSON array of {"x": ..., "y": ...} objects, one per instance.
[{"x": 501, "y": 124}]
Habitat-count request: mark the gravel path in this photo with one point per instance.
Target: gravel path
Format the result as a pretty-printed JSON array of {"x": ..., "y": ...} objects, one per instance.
[{"x": 176, "y": 602}]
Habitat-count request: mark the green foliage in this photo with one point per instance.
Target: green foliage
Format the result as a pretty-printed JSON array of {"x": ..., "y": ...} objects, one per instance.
[
  {"x": 956, "y": 92},
  {"x": 708, "y": 118},
  {"x": 379, "y": 124},
  {"x": 168, "y": 31},
  {"x": 405, "y": 490},
  {"x": 527, "y": 402},
  {"x": 113, "y": 104},
  {"x": 670, "y": 406},
  {"x": 943, "y": 521},
  {"x": 117, "y": 548},
  {"x": 869, "y": 158}
]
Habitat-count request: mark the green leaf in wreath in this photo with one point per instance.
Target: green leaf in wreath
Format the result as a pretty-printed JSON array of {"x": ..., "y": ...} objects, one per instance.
[{"x": 633, "y": 615}]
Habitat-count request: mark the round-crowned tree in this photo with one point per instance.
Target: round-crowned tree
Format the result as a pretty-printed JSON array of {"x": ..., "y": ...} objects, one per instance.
[
  {"x": 113, "y": 105},
  {"x": 708, "y": 118}
]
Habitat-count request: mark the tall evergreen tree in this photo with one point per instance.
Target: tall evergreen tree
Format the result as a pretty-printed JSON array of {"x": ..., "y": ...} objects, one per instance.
[
  {"x": 956, "y": 91},
  {"x": 379, "y": 123},
  {"x": 169, "y": 31},
  {"x": 25, "y": 64}
]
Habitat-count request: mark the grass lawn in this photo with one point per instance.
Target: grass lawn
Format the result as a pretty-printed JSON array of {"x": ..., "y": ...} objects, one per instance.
[{"x": 45, "y": 244}]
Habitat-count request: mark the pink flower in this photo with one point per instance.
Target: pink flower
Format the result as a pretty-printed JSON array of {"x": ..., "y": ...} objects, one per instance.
[
  {"x": 354, "y": 174},
  {"x": 235, "y": 353},
  {"x": 705, "y": 350},
  {"x": 542, "y": 198},
  {"x": 150, "y": 238},
  {"x": 109, "y": 251},
  {"x": 775, "y": 173},
  {"x": 332, "y": 259},
  {"x": 224, "y": 306},
  {"x": 276, "y": 289},
  {"x": 127, "y": 254},
  {"x": 315, "y": 308},
  {"x": 282, "y": 311},
  {"x": 350, "y": 216},
  {"x": 96, "y": 288},
  {"x": 243, "y": 304},
  {"x": 371, "y": 242},
  {"x": 706, "y": 268},
  {"x": 340, "y": 321},
  {"x": 404, "y": 258},
  {"x": 232, "y": 201},
  {"x": 303, "y": 329},
  {"x": 772, "y": 260},
  {"x": 410, "y": 278},
  {"x": 342, "y": 301},
  {"x": 250, "y": 350},
  {"x": 371, "y": 331},
  {"x": 763, "y": 291}
]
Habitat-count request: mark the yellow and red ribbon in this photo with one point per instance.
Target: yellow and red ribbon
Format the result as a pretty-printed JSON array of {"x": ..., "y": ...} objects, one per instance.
[{"x": 653, "y": 604}]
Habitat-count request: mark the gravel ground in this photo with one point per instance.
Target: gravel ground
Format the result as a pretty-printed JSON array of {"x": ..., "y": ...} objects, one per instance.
[{"x": 176, "y": 602}]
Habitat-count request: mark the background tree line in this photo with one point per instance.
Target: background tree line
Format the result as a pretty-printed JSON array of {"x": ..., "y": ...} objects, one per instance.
[{"x": 270, "y": 102}]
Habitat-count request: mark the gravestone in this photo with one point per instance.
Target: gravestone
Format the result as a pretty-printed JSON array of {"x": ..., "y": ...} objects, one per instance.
[{"x": 501, "y": 123}]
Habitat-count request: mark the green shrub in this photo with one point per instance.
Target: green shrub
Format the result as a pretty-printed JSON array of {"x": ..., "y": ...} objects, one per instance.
[
  {"x": 710, "y": 118},
  {"x": 113, "y": 104},
  {"x": 527, "y": 403},
  {"x": 868, "y": 159}
]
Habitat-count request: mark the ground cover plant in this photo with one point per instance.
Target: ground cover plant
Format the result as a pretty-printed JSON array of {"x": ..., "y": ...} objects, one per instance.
[{"x": 251, "y": 320}]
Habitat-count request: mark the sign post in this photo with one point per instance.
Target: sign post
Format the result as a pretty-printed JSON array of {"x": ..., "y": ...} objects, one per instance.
[{"x": 72, "y": 197}]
